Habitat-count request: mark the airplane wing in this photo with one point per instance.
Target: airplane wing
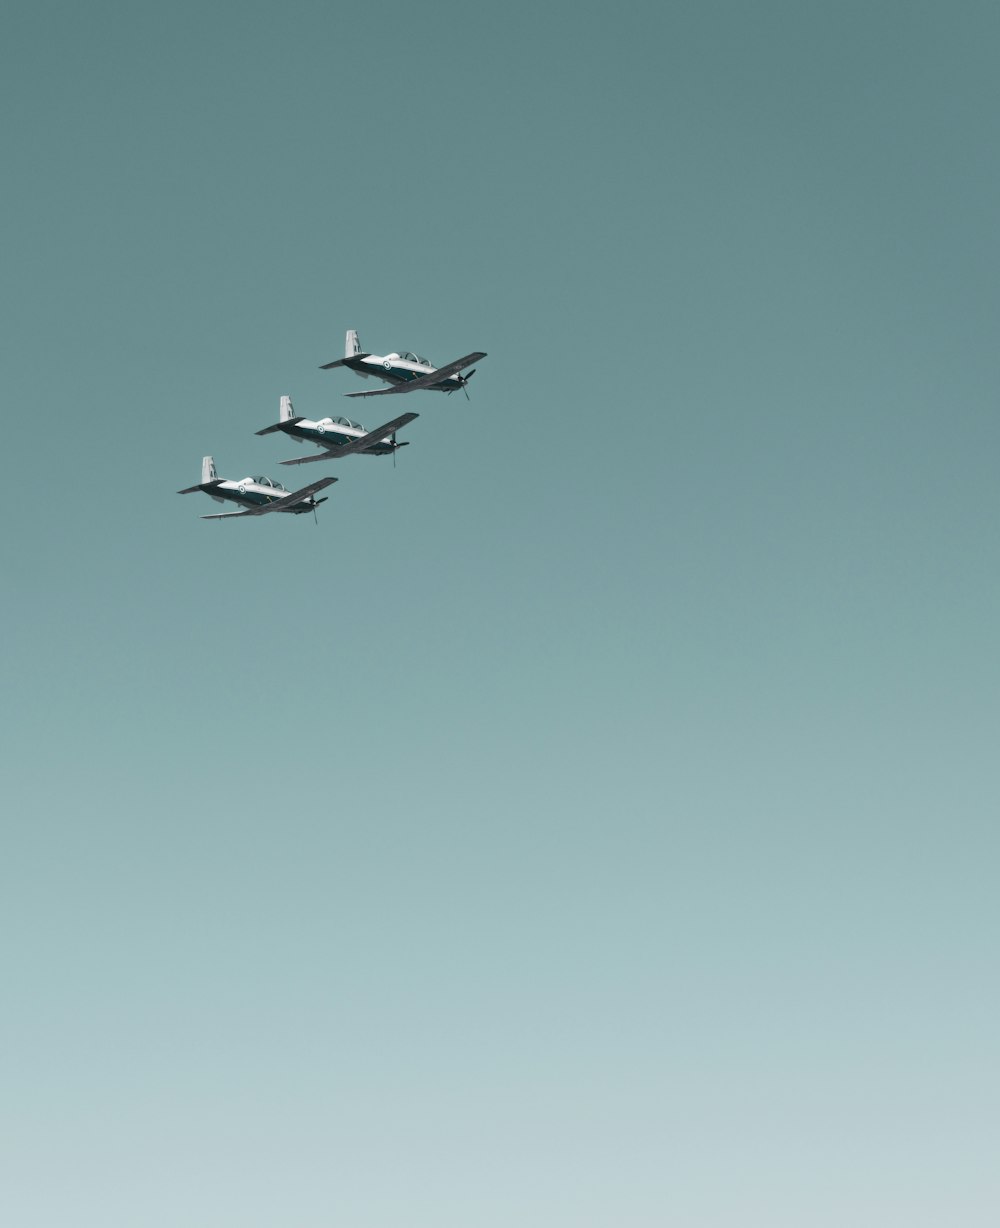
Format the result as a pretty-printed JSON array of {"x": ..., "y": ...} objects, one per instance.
[
  {"x": 280, "y": 426},
  {"x": 222, "y": 515},
  {"x": 328, "y": 366},
  {"x": 356, "y": 445},
  {"x": 424, "y": 381},
  {"x": 206, "y": 486},
  {"x": 304, "y": 460},
  {"x": 280, "y": 505}
]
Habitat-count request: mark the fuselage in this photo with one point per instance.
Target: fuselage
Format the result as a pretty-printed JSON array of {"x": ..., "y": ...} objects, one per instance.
[
  {"x": 401, "y": 369},
  {"x": 334, "y": 432},
  {"x": 255, "y": 492}
]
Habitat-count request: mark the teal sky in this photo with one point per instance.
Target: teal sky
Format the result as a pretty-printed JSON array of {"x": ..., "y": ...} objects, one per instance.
[{"x": 594, "y": 819}]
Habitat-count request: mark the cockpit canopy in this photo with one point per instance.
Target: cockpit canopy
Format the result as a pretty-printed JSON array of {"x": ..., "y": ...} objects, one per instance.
[
  {"x": 408, "y": 357},
  {"x": 344, "y": 422},
  {"x": 260, "y": 480}
]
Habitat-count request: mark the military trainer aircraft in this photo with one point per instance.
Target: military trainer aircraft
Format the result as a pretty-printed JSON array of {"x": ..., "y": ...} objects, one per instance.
[
  {"x": 404, "y": 372},
  {"x": 257, "y": 495},
  {"x": 337, "y": 436}
]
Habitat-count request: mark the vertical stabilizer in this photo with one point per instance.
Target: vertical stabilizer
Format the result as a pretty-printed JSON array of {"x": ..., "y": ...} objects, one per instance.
[
  {"x": 351, "y": 345},
  {"x": 208, "y": 474},
  {"x": 286, "y": 410}
]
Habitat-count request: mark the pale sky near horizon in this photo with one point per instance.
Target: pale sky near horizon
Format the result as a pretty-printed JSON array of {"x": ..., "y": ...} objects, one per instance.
[{"x": 593, "y": 820}]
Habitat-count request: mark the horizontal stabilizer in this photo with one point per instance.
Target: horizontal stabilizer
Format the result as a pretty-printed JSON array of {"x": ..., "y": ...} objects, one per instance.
[
  {"x": 280, "y": 426},
  {"x": 342, "y": 362},
  {"x": 206, "y": 486}
]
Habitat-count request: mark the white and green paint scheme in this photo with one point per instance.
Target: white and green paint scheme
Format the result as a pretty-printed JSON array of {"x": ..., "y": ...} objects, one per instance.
[
  {"x": 404, "y": 372},
  {"x": 256, "y": 496},
  {"x": 336, "y": 436}
]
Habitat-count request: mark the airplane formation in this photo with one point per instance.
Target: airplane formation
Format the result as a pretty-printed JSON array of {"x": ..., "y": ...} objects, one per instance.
[{"x": 335, "y": 437}]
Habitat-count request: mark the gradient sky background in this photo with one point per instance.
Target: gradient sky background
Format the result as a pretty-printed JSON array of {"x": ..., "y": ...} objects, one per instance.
[{"x": 594, "y": 820}]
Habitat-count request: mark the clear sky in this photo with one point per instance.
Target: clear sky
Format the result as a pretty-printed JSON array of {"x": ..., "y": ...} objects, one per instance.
[{"x": 594, "y": 819}]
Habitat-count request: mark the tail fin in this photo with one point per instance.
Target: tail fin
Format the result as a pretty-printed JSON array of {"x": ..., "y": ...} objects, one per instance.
[
  {"x": 208, "y": 475},
  {"x": 352, "y": 349},
  {"x": 286, "y": 417}
]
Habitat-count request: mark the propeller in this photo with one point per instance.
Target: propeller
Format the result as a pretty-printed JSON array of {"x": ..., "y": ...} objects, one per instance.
[
  {"x": 465, "y": 380},
  {"x": 396, "y": 446}
]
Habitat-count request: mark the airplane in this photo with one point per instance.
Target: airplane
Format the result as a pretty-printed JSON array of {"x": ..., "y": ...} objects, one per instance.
[
  {"x": 404, "y": 372},
  {"x": 258, "y": 495},
  {"x": 337, "y": 436}
]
